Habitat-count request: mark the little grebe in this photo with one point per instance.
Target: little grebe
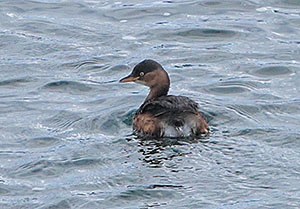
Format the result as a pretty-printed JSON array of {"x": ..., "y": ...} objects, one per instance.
[{"x": 163, "y": 115}]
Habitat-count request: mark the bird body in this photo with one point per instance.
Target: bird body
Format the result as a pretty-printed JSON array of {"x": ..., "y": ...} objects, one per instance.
[{"x": 163, "y": 115}]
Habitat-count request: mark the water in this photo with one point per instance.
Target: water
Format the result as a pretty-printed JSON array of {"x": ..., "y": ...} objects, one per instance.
[{"x": 65, "y": 121}]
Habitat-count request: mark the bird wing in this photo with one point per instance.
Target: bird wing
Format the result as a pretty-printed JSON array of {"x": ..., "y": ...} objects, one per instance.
[{"x": 170, "y": 103}]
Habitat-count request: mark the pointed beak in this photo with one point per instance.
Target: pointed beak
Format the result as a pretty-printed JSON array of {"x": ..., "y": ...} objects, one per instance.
[{"x": 128, "y": 78}]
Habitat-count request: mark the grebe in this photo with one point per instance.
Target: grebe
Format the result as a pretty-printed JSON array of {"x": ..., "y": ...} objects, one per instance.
[{"x": 163, "y": 115}]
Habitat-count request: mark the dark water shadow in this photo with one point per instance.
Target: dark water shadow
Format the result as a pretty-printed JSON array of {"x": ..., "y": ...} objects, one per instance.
[
  {"x": 156, "y": 151},
  {"x": 71, "y": 87},
  {"x": 192, "y": 35},
  {"x": 16, "y": 82},
  {"x": 272, "y": 71},
  {"x": 199, "y": 33}
]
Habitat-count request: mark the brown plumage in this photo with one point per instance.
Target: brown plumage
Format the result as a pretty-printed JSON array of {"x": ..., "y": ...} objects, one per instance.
[{"x": 163, "y": 115}]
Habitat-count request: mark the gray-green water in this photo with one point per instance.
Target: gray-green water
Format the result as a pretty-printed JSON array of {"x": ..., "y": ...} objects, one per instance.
[{"x": 65, "y": 121}]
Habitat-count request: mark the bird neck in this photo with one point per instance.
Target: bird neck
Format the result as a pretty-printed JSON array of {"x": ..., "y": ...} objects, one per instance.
[
  {"x": 158, "y": 91},
  {"x": 160, "y": 86}
]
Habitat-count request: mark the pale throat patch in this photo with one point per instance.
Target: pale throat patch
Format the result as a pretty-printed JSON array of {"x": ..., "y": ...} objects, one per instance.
[{"x": 141, "y": 82}]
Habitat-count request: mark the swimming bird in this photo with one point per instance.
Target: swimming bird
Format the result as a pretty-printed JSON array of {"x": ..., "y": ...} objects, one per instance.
[{"x": 163, "y": 115}]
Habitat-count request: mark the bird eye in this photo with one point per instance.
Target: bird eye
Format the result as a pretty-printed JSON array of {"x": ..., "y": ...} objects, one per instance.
[{"x": 141, "y": 73}]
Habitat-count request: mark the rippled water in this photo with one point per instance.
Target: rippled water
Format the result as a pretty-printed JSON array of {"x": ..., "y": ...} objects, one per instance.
[{"x": 65, "y": 121}]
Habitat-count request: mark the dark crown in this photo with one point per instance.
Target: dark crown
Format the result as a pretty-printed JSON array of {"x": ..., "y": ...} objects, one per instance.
[{"x": 145, "y": 66}]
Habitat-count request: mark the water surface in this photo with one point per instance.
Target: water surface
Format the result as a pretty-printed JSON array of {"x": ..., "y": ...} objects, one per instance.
[{"x": 65, "y": 122}]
